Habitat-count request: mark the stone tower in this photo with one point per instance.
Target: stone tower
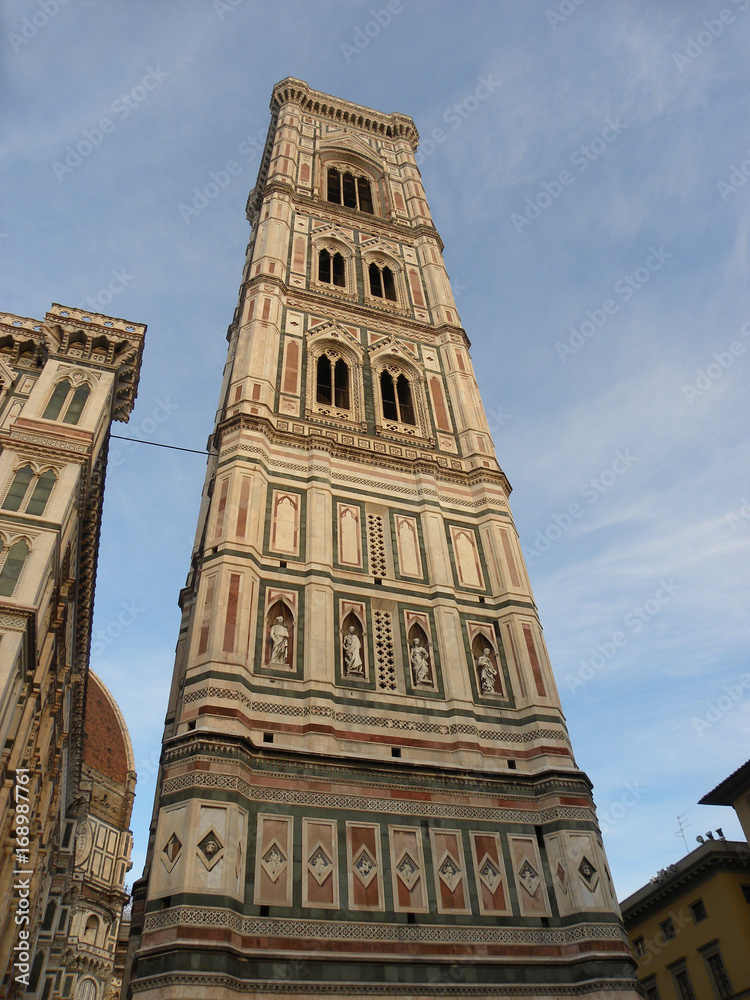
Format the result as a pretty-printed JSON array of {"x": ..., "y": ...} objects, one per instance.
[{"x": 366, "y": 786}]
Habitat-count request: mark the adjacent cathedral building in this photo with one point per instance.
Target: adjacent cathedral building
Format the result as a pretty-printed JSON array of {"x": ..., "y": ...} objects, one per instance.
[
  {"x": 367, "y": 787},
  {"x": 66, "y": 762}
]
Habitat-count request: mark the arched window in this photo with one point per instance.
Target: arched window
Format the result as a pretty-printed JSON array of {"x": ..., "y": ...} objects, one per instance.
[
  {"x": 12, "y": 564},
  {"x": 382, "y": 285},
  {"x": 59, "y": 402},
  {"x": 41, "y": 493},
  {"x": 331, "y": 268},
  {"x": 20, "y": 488},
  {"x": 323, "y": 386},
  {"x": 91, "y": 929},
  {"x": 332, "y": 382},
  {"x": 349, "y": 191},
  {"x": 397, "y": 398},
  {"x": 341, "y": 384},
  {"x": 86, "y": 989}
]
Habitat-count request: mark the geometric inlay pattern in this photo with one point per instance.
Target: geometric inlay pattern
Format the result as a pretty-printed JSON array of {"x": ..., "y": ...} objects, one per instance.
[
  {"x": 407, "y": 870},
  {"x": 374, "y": 719},
  {"x": 528, "y": 877},
  {"x": 210, "y": 847},
  {"x": 364, "y": 931},
  {"x": 273, "y": 861},
  {"x": 561, "y": 877},
  {"x": 385, "y": 657},
  {"x": 376, "y": 545},
  {"x": 449, "y": 871},
  {"x": 365, "y": 866},
  {"x": 588, "y": 873},
  {"x": 319, "y": 864},
  {"x": 489, "y": 873},
  {"x": 173, "y": 847},
  {"x": 331, "y": 800},
  {"x": 170, "y": 853}
]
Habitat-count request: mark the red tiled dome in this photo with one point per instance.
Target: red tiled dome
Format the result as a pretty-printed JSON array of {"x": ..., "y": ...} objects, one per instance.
[{"x": 105, "y": 741}]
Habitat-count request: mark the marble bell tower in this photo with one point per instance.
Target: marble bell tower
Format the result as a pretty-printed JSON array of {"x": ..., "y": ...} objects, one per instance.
[{"x": 367, "y": 787}]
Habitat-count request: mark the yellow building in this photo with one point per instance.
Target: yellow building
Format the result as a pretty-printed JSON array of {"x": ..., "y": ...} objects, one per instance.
[{"x": 690, "y": 926}]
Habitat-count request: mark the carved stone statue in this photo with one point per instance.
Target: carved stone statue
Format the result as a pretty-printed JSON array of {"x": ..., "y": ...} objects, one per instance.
[
  {"x": 420, "y": 663},
  {"x": 279, "y": 641},
  {"x": 487, "y": 673},
  {"x": 353, "y": 653}
]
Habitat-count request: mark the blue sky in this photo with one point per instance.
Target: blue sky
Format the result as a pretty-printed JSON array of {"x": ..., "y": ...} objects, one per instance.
[{"x": 593, "y": 204}]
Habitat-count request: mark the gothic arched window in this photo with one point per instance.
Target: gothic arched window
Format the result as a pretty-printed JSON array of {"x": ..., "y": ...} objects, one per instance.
[
  {"x": 397, "y": 398},
  {"x": 331, "y": 268},
  {"x": 382, "y": 284},
  {"x": 12, "y": 560},
  {"x": 332, "y": 382},
  {"x": 20, "y": 488},
  {"x": 350, "y": 191},
  {"x": 66, "y": 398}
]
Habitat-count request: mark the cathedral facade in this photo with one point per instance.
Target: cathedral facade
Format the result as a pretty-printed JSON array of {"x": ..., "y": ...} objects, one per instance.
[
  {"x": 367, "y": 787},
  {"x": 64, "y": 808}
]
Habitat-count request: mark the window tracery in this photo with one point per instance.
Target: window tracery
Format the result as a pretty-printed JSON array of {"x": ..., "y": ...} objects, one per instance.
[
  {"x": 349, "y": 189},
  {"x": 13, "y": 556},
  {"x": 67, "y": 400},
  {"x": 29, "y": 491}
]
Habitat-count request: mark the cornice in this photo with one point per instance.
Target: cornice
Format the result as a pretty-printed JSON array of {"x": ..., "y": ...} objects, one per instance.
[
  {"x": 426, "y": 463},
  {"x": 730, "y": 856},
  {"x": 385, "y": 126},
  {"x": 356, "y": 770},
  {"x": 349, "y": 217},
  {"x": 386, "y": 321}
]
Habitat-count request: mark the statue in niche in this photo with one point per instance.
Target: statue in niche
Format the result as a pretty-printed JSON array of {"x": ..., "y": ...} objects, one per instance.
[
  {"x": 487, "y": 672},
  {"x": 279, "y": 641},
  {"x": 419, "y": 659},
  {"x": 353, "y": 653}
]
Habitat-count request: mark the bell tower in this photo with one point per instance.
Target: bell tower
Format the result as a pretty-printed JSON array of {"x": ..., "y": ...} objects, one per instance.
[{"x": 366, "y": 786}]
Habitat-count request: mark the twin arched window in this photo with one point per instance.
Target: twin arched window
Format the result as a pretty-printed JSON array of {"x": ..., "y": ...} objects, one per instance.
[
  {"x": 12, "y": 559},
  {"x": 349, "y": 191},
  {"x": 68, "y": 401},
  {"x": 331, "y": 268},
  {"x": 332, "y": 382},
  {"x": 395, "y": 393},
  {"x": 382, "y": 284},
  {"x": 29, "y": 492}
]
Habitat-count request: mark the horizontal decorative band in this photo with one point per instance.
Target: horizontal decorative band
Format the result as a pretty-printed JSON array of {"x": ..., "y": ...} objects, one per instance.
[
  {"x": 339, "y": 930},
  {"x": 372, "y": 720},
  {"x": 356, "y": 803}
]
